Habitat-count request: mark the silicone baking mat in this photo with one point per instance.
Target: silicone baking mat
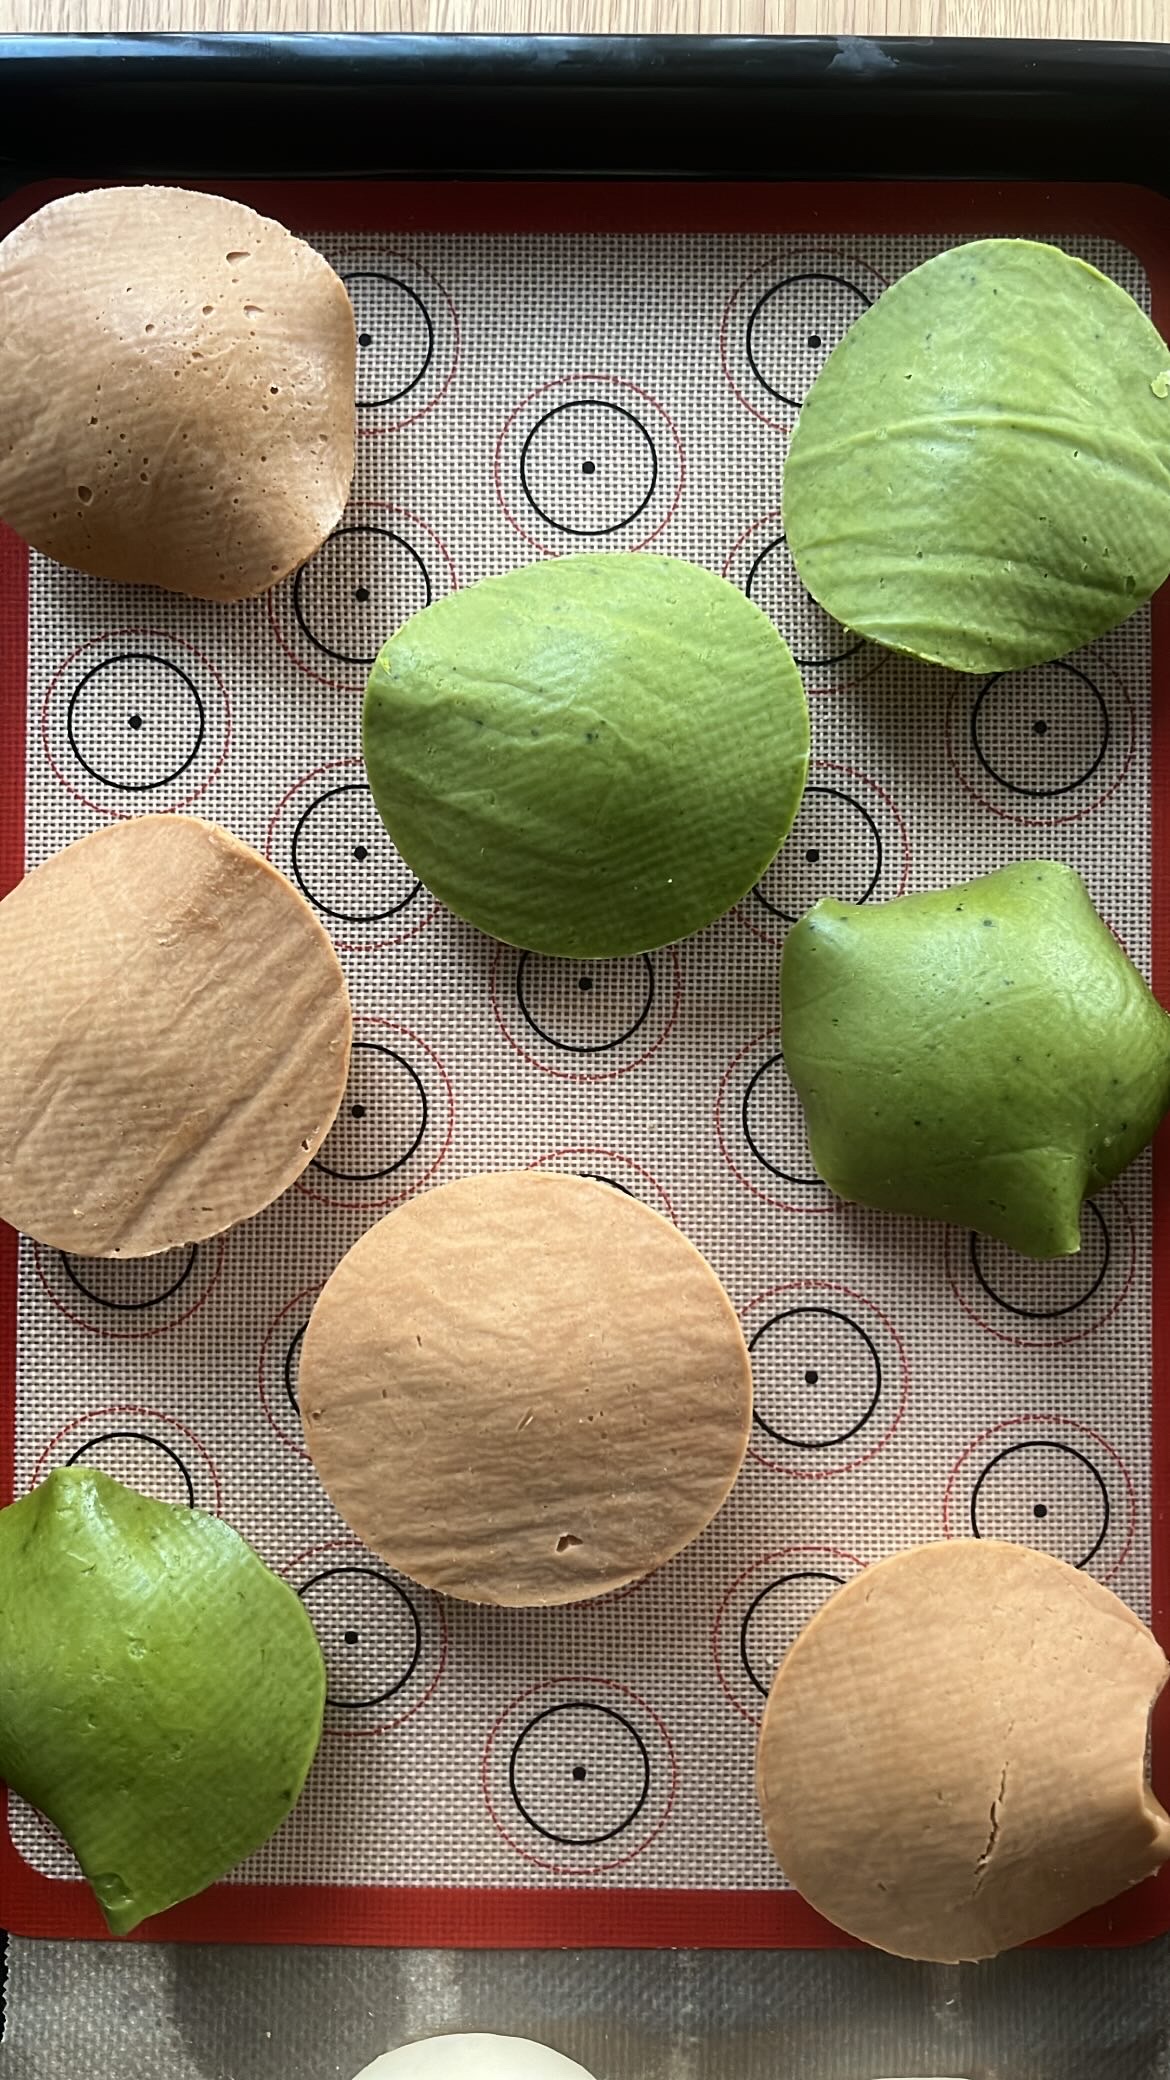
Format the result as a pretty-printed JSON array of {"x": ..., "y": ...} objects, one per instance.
[{"x": 542, "y": 371}]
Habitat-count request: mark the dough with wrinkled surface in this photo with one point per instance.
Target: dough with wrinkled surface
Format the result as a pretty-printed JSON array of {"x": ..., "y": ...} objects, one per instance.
[
  {"x": 177, "y": 383},
  {"x": 176, "y": 1043},
  {"x": 525, "y": 1388},
  {"x": 952, "y": 1759}
]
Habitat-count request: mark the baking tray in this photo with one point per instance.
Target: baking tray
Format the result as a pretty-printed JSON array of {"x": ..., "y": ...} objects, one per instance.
[{"x": 643, "y": 98}]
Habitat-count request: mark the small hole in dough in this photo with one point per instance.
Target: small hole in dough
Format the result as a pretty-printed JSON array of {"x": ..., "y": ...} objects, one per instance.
[
  {"x": 233, "y": 259},
  {"x": 253, "y": 310},
  {"x": 566, "y": 1542},
  {"x": 84, "y": 493}
]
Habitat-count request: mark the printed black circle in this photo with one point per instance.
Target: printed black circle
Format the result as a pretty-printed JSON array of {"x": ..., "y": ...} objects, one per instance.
[
  {"x": 132, "y": 1271},
  {"x": 620, "y": 463},
  {"x": 784, "y": 315},
  {"x": 396, "y": 337},
  {"x": 848, "y": 1369},
  {"x": 614, "y": 1006},
  {"x": 166, "y": 718},
  {"x": 379, "y": 1616},
  {"x": 338, "y": 832},
  {"x": 579, "y": 1811},
  {"x": 1089, "y": 1268},
  {"x": 393, "y": 1103},
  {"x": 1052, "y": 721},
  {"x": 366, "y": 567},
  {"x": 758, "y": 1619},
  {"x": 834, "y": 835},
  {"x": 86, "y": 1451},
  {"x": 765, "y": 581},
  {"x": 291, "y": 1370},
  {"x": 1047, "y": 1461},
  {"x": 768, "y": 1070}
]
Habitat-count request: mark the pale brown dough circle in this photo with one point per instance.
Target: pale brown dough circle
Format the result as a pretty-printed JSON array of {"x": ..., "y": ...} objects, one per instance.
[
  {"x": 952, "y": 1760},
  {"x": 177, "y": 384},
  {"x": 525, "y": 1388},
  {"x": 176, "y": 1039}
]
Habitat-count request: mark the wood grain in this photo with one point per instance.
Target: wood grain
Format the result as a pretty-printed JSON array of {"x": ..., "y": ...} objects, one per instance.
[{"x": 1095, "y": 18}]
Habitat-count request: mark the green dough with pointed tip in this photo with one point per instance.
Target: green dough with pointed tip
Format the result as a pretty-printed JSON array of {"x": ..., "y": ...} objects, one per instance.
[
  {"x": 980, "y": 474},
  {"x": 985, "y": 1054},
  {"x": 589, "y": 756},
  {"x": 161, "y": 1692}
]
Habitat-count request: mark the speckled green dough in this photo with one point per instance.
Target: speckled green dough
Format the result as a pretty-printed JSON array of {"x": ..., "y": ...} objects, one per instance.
[
  {"x": 161, "y": 1693},
  {"x": 589, "y": 756},
  {"x": 981, "y": 471},
  {"x": 984, "y": 1054}
]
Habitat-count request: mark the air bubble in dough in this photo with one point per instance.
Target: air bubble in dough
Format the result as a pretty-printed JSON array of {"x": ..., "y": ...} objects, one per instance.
[{"x": 474, "y": 2057}]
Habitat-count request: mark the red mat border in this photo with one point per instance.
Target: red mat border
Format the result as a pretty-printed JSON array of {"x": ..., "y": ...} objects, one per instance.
[{"x": 587, "y": 1917}]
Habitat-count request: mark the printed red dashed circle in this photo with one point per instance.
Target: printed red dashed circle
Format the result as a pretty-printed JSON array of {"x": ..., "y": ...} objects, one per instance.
[
  {"x": 316, "y": 1191},
  {"x": 816, "y": 1209},
  {"x": 962, "y": 693},
  {"x": 428, "y": 906},
  {"x": 849, "y": 1293},
  {"x": 809, "y": 264},
  {"x": 263, "y": 1381},
  {"x": 445, "y": 375},
  {"x": 835, "y": 677},
  {"x": 162, "y": 806},
  {"x": 355, "y": 681},
  {"x": 132, "y": 1408},
  {"x": 958, "y": 1242},
  {"x": 585, "y": 1075},
  {"x": 355, "y": 1547},
  {"x": 618, "y": 1692},
  {"x": 752, "y": 916},
  {"x": 217, "y": 1251},
  {"x": 609, "y": 1155},
  {"x": 766, "y": 1560},
  {"x": 663, "y": 420},
  {"x": 1046, "y": 1422}
]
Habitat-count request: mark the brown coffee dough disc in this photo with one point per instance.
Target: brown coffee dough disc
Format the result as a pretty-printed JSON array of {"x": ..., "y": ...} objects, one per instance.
[
  {"x": 177, "y": 387},
  {"x": 952, "y": 1759},
  {"x": 525, "y": 1388},
  {"x": 176, "y": 1039}
]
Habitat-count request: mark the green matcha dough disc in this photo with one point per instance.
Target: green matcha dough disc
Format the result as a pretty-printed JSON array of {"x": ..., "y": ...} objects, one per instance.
[
  {"x": 985, "y": 1054},
  {"x": 980, "y": 474},
  {"x": 589, "y": 756},
  {"x": 161, "y": 1693}
]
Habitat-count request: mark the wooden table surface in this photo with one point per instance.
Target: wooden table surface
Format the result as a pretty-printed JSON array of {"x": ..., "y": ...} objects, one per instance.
[{"x": 1115, "y": 18}]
